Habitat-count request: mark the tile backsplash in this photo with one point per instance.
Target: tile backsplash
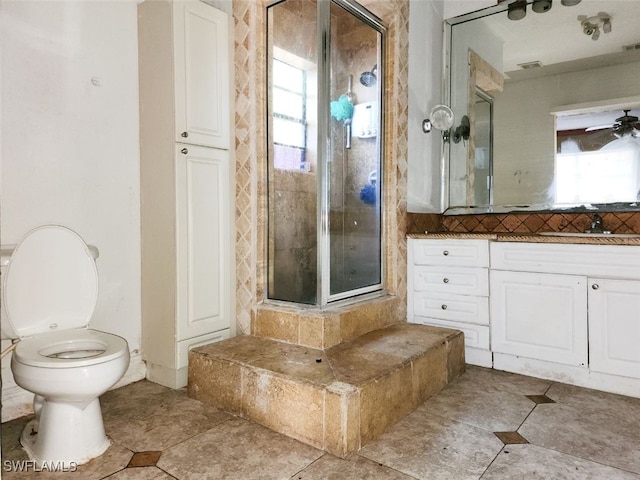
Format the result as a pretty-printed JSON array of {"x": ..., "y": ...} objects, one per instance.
[{"x": 616, "y": 222}]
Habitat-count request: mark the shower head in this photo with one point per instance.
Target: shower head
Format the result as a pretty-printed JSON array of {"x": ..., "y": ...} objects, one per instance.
[{"x": 369, "y": 79}]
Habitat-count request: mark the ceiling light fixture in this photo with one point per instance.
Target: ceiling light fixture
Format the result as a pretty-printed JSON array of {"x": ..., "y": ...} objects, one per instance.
[
  {"x": 517, "y": 10},
  {"x": 591, "y": 26},
  {"x": 541, "y": 6}
]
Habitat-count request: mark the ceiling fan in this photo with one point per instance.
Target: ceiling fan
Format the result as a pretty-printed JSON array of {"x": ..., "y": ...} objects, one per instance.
[{"x": 624, "y": 125}]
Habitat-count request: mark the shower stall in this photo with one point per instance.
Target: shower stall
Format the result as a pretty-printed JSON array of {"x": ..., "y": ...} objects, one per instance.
[{"x": 325, "y": 76}]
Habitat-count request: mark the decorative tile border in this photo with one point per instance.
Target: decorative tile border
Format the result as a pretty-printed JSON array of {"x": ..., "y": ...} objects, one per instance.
[{"x": 617, "y": 222}]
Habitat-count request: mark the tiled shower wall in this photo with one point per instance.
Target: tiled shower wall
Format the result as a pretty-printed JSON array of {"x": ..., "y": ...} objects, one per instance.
[
  {"x": 250, "y": 153},
  {"x": 616, "y": 222}
]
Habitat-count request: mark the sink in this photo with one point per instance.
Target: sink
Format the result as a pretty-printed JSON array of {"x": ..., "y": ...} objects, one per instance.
[{"x": 590, "y": 235}]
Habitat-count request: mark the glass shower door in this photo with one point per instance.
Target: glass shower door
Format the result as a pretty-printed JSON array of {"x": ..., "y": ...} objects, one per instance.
[
  {"x": 324, "y": 151},
  {"x": 354, "y": 209},
  {"x": 292, "y": 172}
]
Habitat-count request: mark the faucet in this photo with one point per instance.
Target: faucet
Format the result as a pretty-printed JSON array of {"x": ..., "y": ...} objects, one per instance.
[{"x": 596, "y": 225}]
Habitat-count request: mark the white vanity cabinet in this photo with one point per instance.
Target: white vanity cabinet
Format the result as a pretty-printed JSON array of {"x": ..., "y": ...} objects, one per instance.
[
  {"x": 567, "y": 312},
  {"x": 614, "y": 326},
  {"x": 187, "y": 183},
  {"x": 562, "y": 311},
  {"x": 448, "y": 286},
  {"x": 540, "y": 316}
]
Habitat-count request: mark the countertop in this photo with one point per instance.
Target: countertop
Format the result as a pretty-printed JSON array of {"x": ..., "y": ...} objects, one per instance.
[{"x": 532, "y": 238}]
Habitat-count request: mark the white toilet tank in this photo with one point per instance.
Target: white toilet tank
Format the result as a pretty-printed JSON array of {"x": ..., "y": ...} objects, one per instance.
[{"x": 5, "y": 256}]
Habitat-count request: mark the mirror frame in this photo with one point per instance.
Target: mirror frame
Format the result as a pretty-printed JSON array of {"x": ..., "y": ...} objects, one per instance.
[{"x": 445, "y": 151}]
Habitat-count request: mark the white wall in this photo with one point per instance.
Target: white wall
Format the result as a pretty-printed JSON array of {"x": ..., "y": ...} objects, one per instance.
[
  {"x": 70, "y": 151},
  {"x": 425, "y": 91},
  {"x": 224, "y": 5},
  {"x": 524, "y": 130}
]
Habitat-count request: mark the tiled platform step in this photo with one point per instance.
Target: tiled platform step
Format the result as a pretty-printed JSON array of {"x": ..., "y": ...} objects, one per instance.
[{"x": 336, "y": 399}]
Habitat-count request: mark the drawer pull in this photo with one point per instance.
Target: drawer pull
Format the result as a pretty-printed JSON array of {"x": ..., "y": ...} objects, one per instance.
[
  {"x": 595, "y": 286},
  {"x": 445, "y": 253},
  {"x": 184, "y": 134},
  {"x": 445, "y": 280},
  {"x": 444, "y": 307},
  {"x": 184, "y": 151}
]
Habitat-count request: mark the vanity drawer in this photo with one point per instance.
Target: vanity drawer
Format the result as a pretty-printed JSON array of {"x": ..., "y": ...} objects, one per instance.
[
  {"x": 476, "y": 336},
  {"x": 460, "y": 280},
  {"x": 454, "y": 252},
  {"x": 621, "y": 261},
  {"x": 460, "y": 308}
]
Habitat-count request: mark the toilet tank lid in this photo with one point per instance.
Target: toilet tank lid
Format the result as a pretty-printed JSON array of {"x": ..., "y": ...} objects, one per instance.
[{"x": 50, "y": 282}]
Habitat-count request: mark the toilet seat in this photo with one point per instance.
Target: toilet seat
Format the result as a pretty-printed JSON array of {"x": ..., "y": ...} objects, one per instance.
[
  {"x": 33, "y": 351},
  {"x": 51, "y": 283}
]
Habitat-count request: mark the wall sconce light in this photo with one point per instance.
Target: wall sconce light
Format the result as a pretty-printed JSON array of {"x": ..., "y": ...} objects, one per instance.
[
  {"x": 541, "y": 6},
  {"x": 463, "y": 130},
  {"x": 441, "y": 118}
]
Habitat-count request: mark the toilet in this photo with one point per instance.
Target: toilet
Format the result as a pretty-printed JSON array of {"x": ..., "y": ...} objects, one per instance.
[{"x": 49, "y": 292}]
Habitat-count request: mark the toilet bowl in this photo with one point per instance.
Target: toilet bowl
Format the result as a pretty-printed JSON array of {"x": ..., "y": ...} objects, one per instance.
[{"x": 50, "y": 289}]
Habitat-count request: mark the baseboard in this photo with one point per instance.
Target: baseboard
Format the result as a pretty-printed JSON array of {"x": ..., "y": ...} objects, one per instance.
[
  {"x": 478, "y": 356},
  {"x": 573, "y": 375},
  {"x": 17, "y": 402},
  {"x": 175, "y": 378},
  {"x": 137, "y": 371}
]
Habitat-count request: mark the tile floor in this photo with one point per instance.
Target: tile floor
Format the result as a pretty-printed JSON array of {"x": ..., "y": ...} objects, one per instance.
[{"x": 486, "y": 425}]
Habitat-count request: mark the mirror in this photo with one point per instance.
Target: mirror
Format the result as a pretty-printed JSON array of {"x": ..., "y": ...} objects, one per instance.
[{"x": 553, "y": 102}]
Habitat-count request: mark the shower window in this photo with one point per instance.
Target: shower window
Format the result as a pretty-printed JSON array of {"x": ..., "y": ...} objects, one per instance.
[
  {"x": 324, "y": 169},
  {"x": 289, "y": 116}
]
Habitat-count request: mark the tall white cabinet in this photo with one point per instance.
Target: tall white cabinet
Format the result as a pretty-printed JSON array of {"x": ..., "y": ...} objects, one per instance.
[{"x": 187, "y": 183}]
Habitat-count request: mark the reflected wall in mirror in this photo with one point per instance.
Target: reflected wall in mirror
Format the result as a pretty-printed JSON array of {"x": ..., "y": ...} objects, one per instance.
[
  {"x": 556, "y": 79},
  {"x": 482, "y": 150}
]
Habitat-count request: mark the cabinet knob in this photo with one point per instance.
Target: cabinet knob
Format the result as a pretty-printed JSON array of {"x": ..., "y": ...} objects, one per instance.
[
  {"x": 184, "y": 151},
  {"x": 444, "y": 307},
  {"x": 445, "y": 253},
  {"x": 184, "y": 134},
  {"x": 595, "y": 286},
  {"x": 445, "y": 280}
]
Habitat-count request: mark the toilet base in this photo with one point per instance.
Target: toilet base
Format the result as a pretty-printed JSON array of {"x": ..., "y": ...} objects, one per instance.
[{"x": 64, "y": 435}]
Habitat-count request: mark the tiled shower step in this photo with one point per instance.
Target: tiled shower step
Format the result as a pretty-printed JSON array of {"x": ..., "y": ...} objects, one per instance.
[{"x": 337, "y": 399}]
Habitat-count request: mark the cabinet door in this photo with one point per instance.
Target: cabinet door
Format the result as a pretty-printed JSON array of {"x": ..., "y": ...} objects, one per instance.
[
  {"x": 541, "y": 316},
  {"x": 203, "y": 242},
  {"x": 202, "y": 71},
  {"x": 614, "y": 327}
]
